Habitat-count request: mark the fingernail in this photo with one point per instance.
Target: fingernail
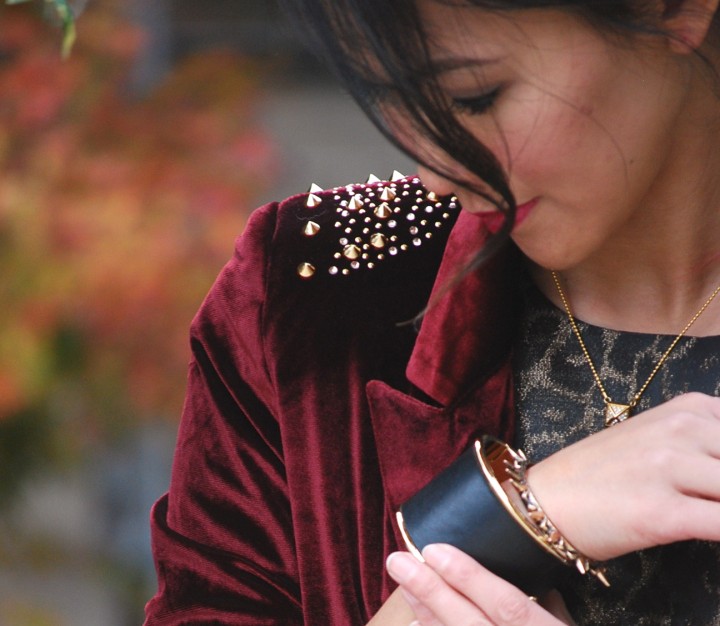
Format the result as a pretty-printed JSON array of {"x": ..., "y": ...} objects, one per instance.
[
  {"x": 401, "y": 566},
  {"x": 436, "y": 554}
]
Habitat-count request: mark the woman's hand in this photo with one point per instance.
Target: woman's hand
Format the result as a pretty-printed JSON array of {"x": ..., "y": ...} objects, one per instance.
[
  {"x": 452, "y": 589},
  {"x": 652, "y": 480}
]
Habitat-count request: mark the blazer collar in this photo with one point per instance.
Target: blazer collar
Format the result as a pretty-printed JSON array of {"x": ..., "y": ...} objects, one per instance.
[{"x": 466, "y": 332}]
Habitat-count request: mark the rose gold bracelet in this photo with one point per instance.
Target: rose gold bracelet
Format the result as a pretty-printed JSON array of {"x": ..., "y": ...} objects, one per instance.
[{"x": 535, "y": 520}]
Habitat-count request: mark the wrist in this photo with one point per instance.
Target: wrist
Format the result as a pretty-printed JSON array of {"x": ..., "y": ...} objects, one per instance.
[
  {"x": 479, "y": 504},
  {"x": 536, "y": 520},
  {"x": 461, "y": 508},
  {"x": 551, "y": 482}
]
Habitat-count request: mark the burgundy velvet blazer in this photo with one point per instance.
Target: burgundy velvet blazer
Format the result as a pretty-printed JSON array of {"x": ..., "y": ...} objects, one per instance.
[{"x": 313, "y": 411}]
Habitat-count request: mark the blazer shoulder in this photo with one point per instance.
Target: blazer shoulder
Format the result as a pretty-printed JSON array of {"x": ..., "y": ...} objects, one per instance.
[{"x": 360, "y": 231}]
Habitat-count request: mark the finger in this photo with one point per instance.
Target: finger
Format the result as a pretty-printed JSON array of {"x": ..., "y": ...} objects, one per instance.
[
  {"x": 446, "y": 604},
  {"x": 503, "y": 603},
  {"x": 700, "y": 477},
  {"x": 554, "y": 604},
  {"x": 691, "y": 518},
  {"x": 425, "y": 617}
]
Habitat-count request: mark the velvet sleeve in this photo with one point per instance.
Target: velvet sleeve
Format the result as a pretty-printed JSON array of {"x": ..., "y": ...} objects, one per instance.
[{"x": 222, "y": 536}]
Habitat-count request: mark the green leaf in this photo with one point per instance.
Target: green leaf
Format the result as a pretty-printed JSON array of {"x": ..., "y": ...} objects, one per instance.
[
  {"x": 64, "y": 13},
  {"x": 67, "y": 20}
]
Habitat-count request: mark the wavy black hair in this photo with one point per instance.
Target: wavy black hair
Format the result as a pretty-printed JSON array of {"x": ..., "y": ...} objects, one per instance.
[{"x": 379, "y": 50}]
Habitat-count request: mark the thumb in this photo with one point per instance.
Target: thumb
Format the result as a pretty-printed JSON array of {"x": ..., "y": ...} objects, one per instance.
[{"x": 554, "y": 604}]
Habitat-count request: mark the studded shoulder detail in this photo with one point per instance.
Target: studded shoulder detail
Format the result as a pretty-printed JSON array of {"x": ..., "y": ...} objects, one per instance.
[{"x": 369, "y": 223}]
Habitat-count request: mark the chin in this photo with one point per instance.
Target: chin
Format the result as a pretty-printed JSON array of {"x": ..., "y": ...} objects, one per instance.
[{"x": 554, "y": 258}]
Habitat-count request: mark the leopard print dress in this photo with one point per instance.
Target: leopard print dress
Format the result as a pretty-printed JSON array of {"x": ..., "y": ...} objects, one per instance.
[{"x": 558, "y": 403}]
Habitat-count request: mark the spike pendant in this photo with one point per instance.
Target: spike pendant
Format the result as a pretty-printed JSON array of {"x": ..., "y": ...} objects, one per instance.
[{"x": 616, "y": 413}]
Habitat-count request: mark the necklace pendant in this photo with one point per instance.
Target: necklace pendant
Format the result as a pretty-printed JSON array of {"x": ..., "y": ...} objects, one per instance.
[{"x": 616, "y": 413}]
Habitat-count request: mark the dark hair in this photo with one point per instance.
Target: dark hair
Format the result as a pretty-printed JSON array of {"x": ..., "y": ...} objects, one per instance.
[{"x": 379, "y": 50}]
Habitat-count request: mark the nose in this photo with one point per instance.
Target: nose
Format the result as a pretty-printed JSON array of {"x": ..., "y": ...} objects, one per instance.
[{"x": 435, "y": 182}]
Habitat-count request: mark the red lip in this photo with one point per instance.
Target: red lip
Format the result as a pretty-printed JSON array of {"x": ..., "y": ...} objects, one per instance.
[{"x": 494, "y": 220}]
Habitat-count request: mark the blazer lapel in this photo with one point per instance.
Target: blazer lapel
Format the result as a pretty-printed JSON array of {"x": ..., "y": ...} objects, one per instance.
[
  {"x": 460, "y": 361},
  {"x": 416, "y": 440},
  {"x": 468, "y": 327}
]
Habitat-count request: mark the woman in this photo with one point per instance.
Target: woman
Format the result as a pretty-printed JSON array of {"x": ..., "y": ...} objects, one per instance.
[{"x": 579, "y": 138}]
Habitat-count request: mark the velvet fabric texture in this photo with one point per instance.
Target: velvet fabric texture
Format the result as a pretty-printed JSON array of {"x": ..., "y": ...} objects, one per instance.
[{"x": 312, "y": 413}]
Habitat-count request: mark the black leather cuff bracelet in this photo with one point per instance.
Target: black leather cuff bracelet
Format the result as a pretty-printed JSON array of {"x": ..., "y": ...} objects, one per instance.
[{"x": 467, "y": 507}]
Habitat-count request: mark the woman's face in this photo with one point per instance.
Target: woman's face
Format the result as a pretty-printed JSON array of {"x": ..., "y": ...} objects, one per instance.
[{"x": 587, "y": 130}]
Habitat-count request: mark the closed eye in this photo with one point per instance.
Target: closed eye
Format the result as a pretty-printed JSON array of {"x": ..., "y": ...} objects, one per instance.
[{"x": 476, "y": 105}]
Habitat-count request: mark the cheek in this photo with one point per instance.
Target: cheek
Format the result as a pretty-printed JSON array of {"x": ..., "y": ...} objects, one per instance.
[
  {"x": 542, "y": 148},
  {"x": 563, "y": 141}
]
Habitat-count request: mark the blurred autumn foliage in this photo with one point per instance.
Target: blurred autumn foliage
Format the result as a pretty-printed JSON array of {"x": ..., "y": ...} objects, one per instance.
[{"x": 116, "y": 213}]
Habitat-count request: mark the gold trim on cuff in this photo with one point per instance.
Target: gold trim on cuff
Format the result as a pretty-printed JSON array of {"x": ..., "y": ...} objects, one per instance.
[{"x": 409, "y": 543}]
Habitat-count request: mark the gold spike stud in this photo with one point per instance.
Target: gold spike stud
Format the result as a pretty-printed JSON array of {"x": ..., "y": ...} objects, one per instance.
[
  {"x": 352, "y": 252},
  {"x": 600, "y": 575},
  {"x": 311, "y": 229},
  {"x": 356, "y": 203},
  {"x": 372, "y": 179},
  {"x": 378, "y": 240},
  {"x": 313, "y": 201},
  {"x": 396, "y": 176},
  {"x": 306, "y": 270},
  {"x": 315, "y": 188},
  {"x": 387, "y": 195},
  {"x": 383, "y": 211},
  {"x": 432, "y": 196}
]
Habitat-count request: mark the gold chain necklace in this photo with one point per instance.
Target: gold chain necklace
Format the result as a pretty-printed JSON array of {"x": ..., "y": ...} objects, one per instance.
[{"x": 615, "y": 412}]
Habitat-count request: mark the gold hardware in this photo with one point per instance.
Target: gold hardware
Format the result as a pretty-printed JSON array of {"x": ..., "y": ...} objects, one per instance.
[
  {"x": 311, "y": 229},
  {"x": 615, "y": 412},
  {"x": 306, "y": 270}
]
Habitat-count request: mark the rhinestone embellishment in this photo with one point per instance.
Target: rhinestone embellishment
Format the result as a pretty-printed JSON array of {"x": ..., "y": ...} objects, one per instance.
[{"x": 365, "y": 221}]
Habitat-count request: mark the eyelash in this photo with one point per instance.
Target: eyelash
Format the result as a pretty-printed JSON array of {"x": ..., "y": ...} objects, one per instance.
[{"x": 476, "y": 105}]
